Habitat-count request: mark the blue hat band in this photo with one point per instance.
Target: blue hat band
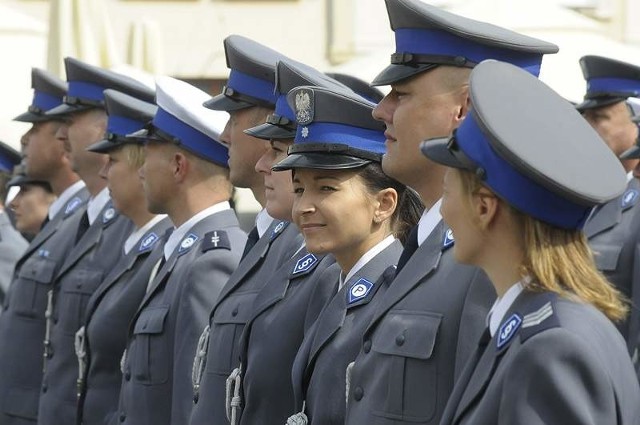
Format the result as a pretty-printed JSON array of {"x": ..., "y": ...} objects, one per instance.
[
  {"x": 517, "y": 189},
  {"x": 252, "y": 86},
  {"x": 122, "y": 125},
  {"x": 45, "y": 101},
  {"x": 6, "y": 164},
  {"x": 613, "y": 85},
  {"x": 85, "y": 90},
  {"x": 439, "y": 42},
  {"x": 283, "y": 109},
  {"x": 192, "y": 139},
  {"x": 356, "y": 137}
]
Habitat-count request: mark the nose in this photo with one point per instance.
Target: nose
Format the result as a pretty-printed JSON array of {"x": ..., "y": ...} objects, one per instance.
[
  {"x": 104, "y": 171},
  {"x": 303, "y": 205},
  {"x": 265, "y": 162},
  {"x": 383, "y": 110},
  {"x": 225, "y": 136}
]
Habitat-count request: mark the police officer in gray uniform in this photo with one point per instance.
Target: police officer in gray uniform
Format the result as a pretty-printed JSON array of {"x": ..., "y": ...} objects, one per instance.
[
  {"x": 185, "y": 176},
  {"x": 103, "y": 337},
  {"x": 12, "y": 244},
  {"x": 292, "y": 298},
  {"x": 23, "y": 321},
  {"x": 249, "y": 96},
  {"x": 614, "y": 228},
  {"x": 550, "y": 354},
  {"x": 423, "y": 331},
  {"x": 100, "y": 229}
]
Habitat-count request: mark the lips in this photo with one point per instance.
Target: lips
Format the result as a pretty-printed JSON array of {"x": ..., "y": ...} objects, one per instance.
[{"x": 389, "y": 137}]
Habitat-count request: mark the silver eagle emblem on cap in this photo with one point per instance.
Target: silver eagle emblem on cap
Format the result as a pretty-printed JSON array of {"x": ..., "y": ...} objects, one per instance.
[{"x": 304, "y": 107}]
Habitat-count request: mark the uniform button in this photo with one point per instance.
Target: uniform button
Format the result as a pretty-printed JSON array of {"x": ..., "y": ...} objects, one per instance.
[
  {"x": 123, "y": 417},
  {"x": 400, "y": 340},
  {"x": 358, "y": 392},
  {"x": 127, "y": 376},
  {"x": 234, "y": 313},
  {"x": 44, "y": 388},
  {"x": 366, "y": 347},
  {"x": 55, "y": 320},
  {"x": 195, "y": 398}
]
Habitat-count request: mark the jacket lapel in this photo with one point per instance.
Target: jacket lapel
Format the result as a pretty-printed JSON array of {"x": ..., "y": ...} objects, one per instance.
[{"x": 423, "y": 262}]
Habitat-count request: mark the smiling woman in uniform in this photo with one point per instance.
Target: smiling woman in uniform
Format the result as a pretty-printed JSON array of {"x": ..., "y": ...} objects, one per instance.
[
  {"x": 526, "y": 172},
  {"x": 346, "y": 206}
]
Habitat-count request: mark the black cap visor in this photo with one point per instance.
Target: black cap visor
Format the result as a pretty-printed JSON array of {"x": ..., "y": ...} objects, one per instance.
[
  {"x": 231, "y": 100},
  {"x": 445, "y": 151},
  {"x": 395, "y": 73},
  {"x": 111, "y": 143},
  {"x": 598, "y": 102},
  {"x": 320, "y": 161},
  {"x": 268, "y": 131}
]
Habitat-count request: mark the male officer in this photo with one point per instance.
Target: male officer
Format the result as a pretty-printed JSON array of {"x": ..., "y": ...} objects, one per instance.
[
  {"x": 294, "y": 295},
  {"x": 12, "y": 244},
  {"x": 248, "y": 97},
  {"x": 23, "y": 321},
  {"x": 185, "y": 175},
  {"x": 614, "y": 228},
  {"x": 100, "y": 229},
  {"x": 427, "y": 325},
  {"x": 103, "y": 336}
]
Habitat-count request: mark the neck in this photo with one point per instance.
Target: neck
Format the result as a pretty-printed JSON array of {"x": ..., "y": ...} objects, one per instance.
[
  {"x": 140, "y": 217},
  {"x": 95, "y": 184},
  {"x": 348, "y": 257},
  {"x": 502, "y": 264},
  {"x": 62, "y": 181},
  {"x": 258, "y": 193},
  {"x": 191, "y": 203}
]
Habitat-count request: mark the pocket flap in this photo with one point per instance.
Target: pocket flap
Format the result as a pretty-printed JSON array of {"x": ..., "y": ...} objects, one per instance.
[
  {"x": 83, "y": 281},
  {"x": 236, "y": 309},
  {"x": 606, "y": 256},
  {"x": 407, "y": 334},
  {"x": 151, "y": 321},
  {"x": 38, "y": 269}
]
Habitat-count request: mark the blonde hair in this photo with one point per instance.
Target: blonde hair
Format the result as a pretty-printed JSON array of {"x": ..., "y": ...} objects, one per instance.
[
  {"x": 134, "y": 155},
  {"x": 559, "y": 260}
]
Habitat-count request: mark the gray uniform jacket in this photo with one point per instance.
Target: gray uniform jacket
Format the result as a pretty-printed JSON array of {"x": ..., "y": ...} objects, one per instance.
[
  {"x": 87, "y": 264},
  {"x": 614, "y": 236},
  {"x": 12, "y": 246},
  {"x": 319, "y": 372},
  {"x": 552, "y": 361},
  {"x": 232, "y": 311},
  {"x": 419, "y": 338},
  {"x": 292, "y": 299},
  {"x": 156, "y": 386},
  {"x": 108, "y": 315},
  {"x": 22, "y": 324}
]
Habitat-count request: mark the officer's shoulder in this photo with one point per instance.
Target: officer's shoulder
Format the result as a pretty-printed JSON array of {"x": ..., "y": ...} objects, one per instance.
[{"x": 540, "y": 314}]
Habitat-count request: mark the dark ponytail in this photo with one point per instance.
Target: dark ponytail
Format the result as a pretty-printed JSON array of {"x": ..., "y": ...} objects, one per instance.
[{"x": 410, "y": 207}]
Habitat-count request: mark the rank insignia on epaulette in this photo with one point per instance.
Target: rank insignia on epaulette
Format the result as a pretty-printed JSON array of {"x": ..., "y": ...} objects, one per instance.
[
  {"x": 448, "y": 239},
  {"x": 72, "y": 205},
  {"x": 148, "y": 242},
  {"x": 187, "y": 243},
  {"x": 108, "y": 215},
  {"x": 304, "y": 264},
  {"x": 508, "y": 329},
  {"x": 537, "y": 317},
  {"x": 629, "y": 198},
  {"x": 359, "y": 290},
  {"x": 278, "y": 229},
  {"x": 218, "y": 239}
]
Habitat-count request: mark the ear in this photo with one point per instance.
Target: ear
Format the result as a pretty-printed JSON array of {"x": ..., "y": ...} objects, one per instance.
[
  {"x": 463, "y": 105},
  {"x": 387, "y": 201},
  {"x": 486, "y": 205},
  {"x": 181, "y": 166}
]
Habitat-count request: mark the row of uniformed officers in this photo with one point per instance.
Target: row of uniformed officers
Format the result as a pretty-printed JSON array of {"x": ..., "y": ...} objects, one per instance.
[{"x": 366, "y": 292}]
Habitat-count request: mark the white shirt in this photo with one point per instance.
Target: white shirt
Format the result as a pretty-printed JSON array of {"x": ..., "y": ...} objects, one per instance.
[
  {"x": 263, "y": 221},
  {"x": 64, "y": 197},
  {"x": 429, "y": 220},
  {"x": 501, "y": 306},
  {"x": 137, "y": 234},
  {"x": 96, "y": 204},
  {"x": 368, "y": 256},
  {"x": 179, "y": 233},
  {"x": 629, "y": 176}
]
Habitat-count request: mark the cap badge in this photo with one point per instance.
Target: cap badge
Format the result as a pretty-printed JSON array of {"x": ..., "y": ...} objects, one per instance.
[
  {"x": 304, "y": 107},
  {"x": 304, "y": 132}
]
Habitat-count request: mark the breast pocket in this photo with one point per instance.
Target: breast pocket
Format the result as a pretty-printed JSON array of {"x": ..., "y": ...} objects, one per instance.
[
  {"x": 71, "y": 304},
  {"x": 149, "y": 352},
  {"x": 229, "y": 321},
  {"x": 606, "y": 256},
  {"x": 408, "y": 338},
  {"x": 29, "y": 294}
]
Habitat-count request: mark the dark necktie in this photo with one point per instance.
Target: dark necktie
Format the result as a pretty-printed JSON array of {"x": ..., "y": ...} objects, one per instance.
[
  {"x": 409, "y": 248},
  {"x": 82, "y": 228},
  {"x": 251, "y": 241}
]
